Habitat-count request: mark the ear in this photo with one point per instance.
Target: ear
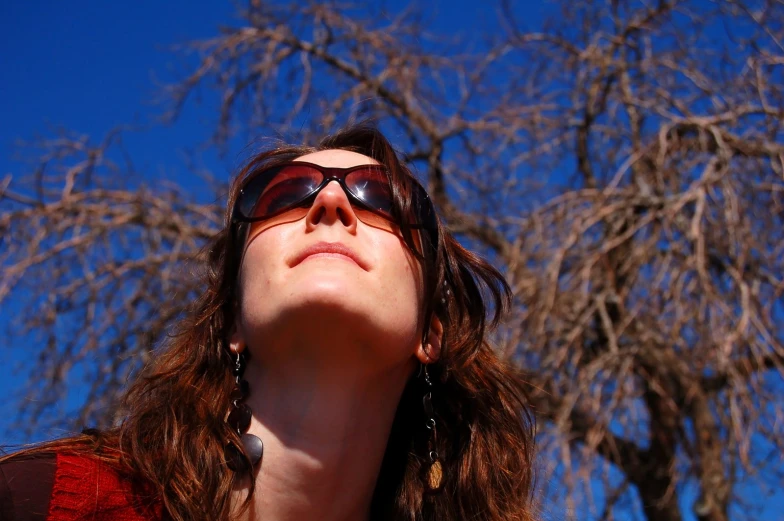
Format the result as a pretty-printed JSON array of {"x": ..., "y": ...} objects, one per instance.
[
  {"x": 236, "y": 342},
  {"x": 431, "y": 351}
]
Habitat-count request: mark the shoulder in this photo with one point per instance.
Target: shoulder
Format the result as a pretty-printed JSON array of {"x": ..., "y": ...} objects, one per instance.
[{"x": 71, "y": 487}]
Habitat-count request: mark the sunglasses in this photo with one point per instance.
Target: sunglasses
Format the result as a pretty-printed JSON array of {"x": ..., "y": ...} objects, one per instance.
[{"x": 287, "y": 191}]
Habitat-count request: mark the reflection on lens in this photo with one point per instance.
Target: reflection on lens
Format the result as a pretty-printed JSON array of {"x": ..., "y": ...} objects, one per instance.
[
  {"x": 283, "y": 188},
  {"x": 280, "y": 195},
  {"x": 370, "y": 185}
]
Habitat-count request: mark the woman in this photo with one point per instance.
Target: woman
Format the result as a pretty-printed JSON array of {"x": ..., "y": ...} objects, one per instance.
[{"x": 335, "y": 368}]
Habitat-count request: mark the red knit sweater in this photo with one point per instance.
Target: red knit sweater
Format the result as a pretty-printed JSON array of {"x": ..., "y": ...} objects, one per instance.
[{"x": 81, "y": 488}]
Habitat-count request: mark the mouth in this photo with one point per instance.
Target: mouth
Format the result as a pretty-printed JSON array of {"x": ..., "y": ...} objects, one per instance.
[
  {"x": 326, "y": 255},
  {"x": 329, "y": 250}
]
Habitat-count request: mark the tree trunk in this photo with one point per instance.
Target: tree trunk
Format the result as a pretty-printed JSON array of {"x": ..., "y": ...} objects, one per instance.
[{"x": 655, "y": 480}]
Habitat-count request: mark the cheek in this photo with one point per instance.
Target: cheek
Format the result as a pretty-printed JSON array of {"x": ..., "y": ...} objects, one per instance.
[
  {"x": 256, "y": 273},
  {"x": 405, "y": 277}
]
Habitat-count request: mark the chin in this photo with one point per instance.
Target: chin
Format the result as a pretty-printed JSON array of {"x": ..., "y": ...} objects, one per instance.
[
  {"x": 335, "y": 321},
  {"x": 329, "y": 306}
]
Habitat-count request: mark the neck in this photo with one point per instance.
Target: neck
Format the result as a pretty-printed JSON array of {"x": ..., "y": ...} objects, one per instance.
[{"x": 325, "y": 429}]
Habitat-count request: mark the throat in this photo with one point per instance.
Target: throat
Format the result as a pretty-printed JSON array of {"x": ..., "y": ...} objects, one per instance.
[{"x": 324, "y": 441}]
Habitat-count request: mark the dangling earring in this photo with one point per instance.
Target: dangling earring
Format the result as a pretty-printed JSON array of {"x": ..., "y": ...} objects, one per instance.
[
  {"x": 239, "y": 421},
  {"x": 433, "y": 471}
]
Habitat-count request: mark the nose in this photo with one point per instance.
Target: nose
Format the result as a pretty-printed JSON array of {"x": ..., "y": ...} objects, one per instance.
[{"x": 331, "y": 205}]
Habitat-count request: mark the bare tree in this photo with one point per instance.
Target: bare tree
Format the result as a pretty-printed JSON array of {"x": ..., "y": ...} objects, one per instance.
[{"x": 623, "y": 164}]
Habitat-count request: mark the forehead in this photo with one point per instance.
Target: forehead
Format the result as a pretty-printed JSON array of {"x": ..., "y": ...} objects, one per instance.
[{"x": 337, "y": 158}]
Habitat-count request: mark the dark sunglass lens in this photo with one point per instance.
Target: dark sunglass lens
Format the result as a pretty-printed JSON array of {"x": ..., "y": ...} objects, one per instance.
[
  {"x": 284, "y": 188},
  {"x": 371, "y": 186}
]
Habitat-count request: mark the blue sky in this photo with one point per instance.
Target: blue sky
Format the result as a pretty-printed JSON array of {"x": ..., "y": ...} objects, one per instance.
[{"x": 90, "y": 66}]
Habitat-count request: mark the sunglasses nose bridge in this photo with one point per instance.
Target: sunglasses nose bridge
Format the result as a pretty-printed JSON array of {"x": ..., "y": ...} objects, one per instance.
[
  {"x": 333, "y": 174},
  {"x": 328, "y": 178}
]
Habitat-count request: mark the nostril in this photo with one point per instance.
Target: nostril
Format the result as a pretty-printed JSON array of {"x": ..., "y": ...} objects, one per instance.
[{"x": 344, "y": 216}]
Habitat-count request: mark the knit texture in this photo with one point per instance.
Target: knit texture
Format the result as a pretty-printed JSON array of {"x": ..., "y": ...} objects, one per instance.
[{"x": 87, "y": 489}]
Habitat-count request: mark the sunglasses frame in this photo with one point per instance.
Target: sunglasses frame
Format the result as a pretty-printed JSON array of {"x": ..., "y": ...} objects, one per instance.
[{"x": 423, "y": 206}]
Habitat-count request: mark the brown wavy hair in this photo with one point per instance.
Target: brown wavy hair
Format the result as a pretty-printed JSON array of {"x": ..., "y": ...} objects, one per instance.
[{"x": 172, "y": 439}]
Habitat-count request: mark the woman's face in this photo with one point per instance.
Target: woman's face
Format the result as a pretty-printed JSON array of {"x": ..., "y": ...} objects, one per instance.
[{"x": 326, "y": 305}]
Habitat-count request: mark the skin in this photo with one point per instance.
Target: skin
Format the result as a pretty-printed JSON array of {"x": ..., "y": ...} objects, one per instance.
[{"x": 333, "y": 345}]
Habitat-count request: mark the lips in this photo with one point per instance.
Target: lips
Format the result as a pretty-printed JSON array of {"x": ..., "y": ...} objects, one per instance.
[{"x": 329, "y": 247}]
